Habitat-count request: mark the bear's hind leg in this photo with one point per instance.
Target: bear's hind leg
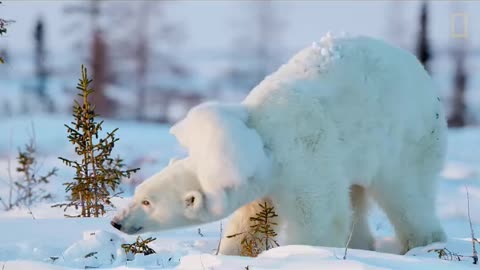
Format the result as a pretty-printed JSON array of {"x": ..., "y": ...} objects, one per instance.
[
  {"x": 240, "y": 224},
  {"x": 410, "y": 207},
  {"x": 361, "y": 236}
]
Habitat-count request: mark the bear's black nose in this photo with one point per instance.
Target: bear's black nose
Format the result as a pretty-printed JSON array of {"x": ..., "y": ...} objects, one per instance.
[{"x": 116, "y": 225}]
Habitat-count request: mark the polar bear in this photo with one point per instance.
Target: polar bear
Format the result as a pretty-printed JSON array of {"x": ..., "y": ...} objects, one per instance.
[{"x": 345, "y": 120}]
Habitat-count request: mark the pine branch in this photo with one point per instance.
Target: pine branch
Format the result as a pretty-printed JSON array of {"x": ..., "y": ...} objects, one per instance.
[{"x": 140, "y": 246}]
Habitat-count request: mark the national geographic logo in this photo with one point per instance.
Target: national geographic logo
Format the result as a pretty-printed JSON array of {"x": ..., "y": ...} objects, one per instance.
[{"x": 459, "y": 25}]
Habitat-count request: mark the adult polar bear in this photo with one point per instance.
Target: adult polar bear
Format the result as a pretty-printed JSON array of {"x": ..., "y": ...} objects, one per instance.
[{"x": 345, "y": 119}]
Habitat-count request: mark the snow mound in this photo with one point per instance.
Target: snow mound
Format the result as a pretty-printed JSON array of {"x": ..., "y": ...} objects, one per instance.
[
  {"x": 223, "y": 150},
  {"x": 313, "y": 258},
  {"x": 161, "y": 259},
  {"x": 30, "y": 265},
  {"x": 97, "y": 249}
]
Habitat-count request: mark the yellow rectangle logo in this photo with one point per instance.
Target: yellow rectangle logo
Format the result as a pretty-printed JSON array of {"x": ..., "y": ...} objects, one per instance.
[{"x": 459, "y": 25}]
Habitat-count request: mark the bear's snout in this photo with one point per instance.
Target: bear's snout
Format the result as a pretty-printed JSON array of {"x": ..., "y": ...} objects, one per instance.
[
  {"x": 128, "y": 229},
  {"x": 129, "y": 219},
  {"x": 117, "y": 226}
]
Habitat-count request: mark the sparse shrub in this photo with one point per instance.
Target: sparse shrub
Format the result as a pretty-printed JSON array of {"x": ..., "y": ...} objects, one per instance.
[
  {"x": 98, "y": 174},
  {"x": 446, "y": 254},
  {"x": 140, "y": 246},
  {"x": 261, "y": 235},
  {"x": 3, "y": 26},
  {"x": 29, "y": 187}
]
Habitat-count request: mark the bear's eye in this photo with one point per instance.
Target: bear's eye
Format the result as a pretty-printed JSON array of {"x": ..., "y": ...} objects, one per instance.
[{"x": 146, "y": 203}]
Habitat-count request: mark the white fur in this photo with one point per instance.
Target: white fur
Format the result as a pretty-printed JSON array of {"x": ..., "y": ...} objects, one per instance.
[
  {"x": 346, "y": 119},
  {"x": 224, "y": 152}
]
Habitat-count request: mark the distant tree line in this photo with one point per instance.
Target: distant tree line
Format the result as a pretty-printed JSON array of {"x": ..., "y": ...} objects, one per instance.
[
  {"x": 458, "y": 113},
  {"x": 122, "y": 54}
]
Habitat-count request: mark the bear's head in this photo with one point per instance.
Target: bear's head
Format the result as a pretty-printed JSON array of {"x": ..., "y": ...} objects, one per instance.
[
  {"x": 169, "y": 199},
  {"x": 226, "y": 168}
]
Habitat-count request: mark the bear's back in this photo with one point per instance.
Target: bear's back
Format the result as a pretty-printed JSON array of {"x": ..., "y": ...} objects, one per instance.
[{"x": 356, "y": 99}]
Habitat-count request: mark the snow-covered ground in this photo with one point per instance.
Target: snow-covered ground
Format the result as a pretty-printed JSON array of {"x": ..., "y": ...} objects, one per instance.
[{"x": 43, "y": 239}]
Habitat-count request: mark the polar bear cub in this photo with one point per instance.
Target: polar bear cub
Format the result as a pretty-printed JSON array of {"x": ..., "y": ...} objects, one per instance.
[{"x": 347, "y": 119}]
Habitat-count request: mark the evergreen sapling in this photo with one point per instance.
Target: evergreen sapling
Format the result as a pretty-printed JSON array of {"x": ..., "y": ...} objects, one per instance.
[
  {"x": 97, "y": 173},
  {"x": 261, "y": 235}
]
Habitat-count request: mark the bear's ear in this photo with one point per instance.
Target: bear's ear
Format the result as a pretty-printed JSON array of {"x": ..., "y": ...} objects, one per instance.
[
  {"x": 192, "y": 201},
  {"x": 224, "y": 151}
]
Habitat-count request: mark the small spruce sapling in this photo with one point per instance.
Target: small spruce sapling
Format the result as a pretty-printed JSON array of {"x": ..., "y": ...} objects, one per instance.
[
  {"x": 261, "y": 235},
  {"x": 97, "y": 173}
]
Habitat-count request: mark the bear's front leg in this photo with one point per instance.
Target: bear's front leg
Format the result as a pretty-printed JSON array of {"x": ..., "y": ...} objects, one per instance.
[
  {"x": 239, "y": 225},
  {"x": 318, "y": 217}
]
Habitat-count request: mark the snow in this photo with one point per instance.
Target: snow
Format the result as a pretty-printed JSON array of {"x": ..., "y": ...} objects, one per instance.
[
  {"x": 305, "y": 257},
  {"x": 103, "y": 247},
  {"x": 33, "y": 242}
]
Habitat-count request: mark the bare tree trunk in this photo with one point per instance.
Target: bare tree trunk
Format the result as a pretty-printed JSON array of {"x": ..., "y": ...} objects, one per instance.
[
  {"x": 458, "y": 52},
  {"x": 423, "y": 45},
  {"x": 103, "y": 104},
  {"x": 396, "y": 23},
  {"x": 142, "y": 53},
  {"x": 266, "y": 35},
  {"x": 39, "y": 59},
  {"x": 457, "y": 117}
]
